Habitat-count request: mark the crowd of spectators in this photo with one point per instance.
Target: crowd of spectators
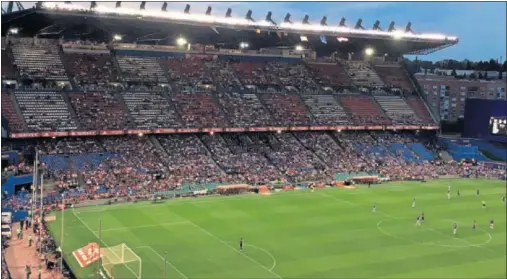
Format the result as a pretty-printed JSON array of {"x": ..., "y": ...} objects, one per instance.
[
  {"x": 99, "y": 111},
  {"x": 91, "y": 71}
]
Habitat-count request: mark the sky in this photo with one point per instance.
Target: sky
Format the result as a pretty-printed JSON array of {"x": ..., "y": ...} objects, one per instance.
[{"x": 480, "y": 26}]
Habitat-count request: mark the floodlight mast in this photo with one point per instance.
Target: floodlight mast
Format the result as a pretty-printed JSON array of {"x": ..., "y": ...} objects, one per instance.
[
  {"x": 269, "y": 19},
  {"x": 323, "y": 21},
  {"x": 306, "y": 19},
  {"x": 376, "y": 26},
  {"x": 342, "y": 22},
  {"x": 187, "y": 9},
  {"x": 391, "y": 27},
  {"x": 118, "y": 4},
  {"x": 164, "y": 7},
  {"x": 143, "y": 5},
  {"x": 208, "y": 11},
  {"x": 228, "y": 13},
  {"x": 359, "y": 24},
  {"x": 287, "y": 18}
]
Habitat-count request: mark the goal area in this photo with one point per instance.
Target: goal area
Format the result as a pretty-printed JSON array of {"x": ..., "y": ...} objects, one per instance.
[{"x": 120, "y": 262}]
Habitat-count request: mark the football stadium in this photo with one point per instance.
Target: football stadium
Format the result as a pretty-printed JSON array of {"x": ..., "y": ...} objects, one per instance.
[{"x": 142, "y": 143}]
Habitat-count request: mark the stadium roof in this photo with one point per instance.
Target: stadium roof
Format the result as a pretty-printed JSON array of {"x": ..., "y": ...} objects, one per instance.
[{"x": 101, "y": 23}]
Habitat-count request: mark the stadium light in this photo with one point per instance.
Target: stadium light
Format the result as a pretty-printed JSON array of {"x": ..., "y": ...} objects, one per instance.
[
  {"x": 408, "y": 29},
  {"x": 118, "y": 4},
  {"x": 211, "y": 133},
  {"x": 140, "y": 134},
  {"x": 249, "y": 16},
  {"x": 187, "y": 9},
  {"x": 181, "y": 41},
  {"x": 306, "y": 19},
  {"x": 342, "y": 39},
  {"x": 164, "y": 7},
  {"x": 117, "y": 37},
  {"x": 398, "y": 35},
  {"x": 142, "y": 6},
  {"x": 208, "y": 11},
  {"x": 376, "y": 25},
  {"x": 299, "y": 48},
  {"x": 303, "y": 38},
  {"x": 228, "y": 13},
  {"x": 243, "y": 45},
  {"x": 391, "y": 27},
  {"x": 269, "y": 19},
  {"x": 13, "y": 31},
  {"x": 342, "y": 22},
  {"x": 323, "y": 21},
  {"x": 233, "y": 22},
  {"x": 359, "y": 24},
  {"x": 369, "y": 51}
]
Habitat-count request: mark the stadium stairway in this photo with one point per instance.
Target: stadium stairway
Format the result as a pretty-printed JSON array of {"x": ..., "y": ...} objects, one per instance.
[
  {"x": 119, "y": 98},
  {"x": 65, "y": 63},
  {"x": 214, "y": 99},
  {"x": 157, "y": 144},
  {"x": 73, "y": 114},
  {"x": 18, "y": 111},
  {"x": 421, "y": 151}
]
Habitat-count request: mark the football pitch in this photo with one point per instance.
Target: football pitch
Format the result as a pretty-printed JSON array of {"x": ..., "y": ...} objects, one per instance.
[{"x": 330, "y": 233}]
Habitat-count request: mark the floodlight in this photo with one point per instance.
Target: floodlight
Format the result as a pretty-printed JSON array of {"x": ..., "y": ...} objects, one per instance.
[
  {"x": 269, "y": 19},
  {"x": 187, "y": 9},
  {"x": 299, "y": 48},
  {"x": 369, "y": 51},
  {"x": 67, "y": 2},
  {"x": 243, "y": 45},
  {"x": 140, "y": 134},
  {"x": 164, "y": 7},
  {"x": 13, "y": 31},
  {"x": 342, "y": 39},
  {"x": 287, "y": 18},
  {"x": 118, "y": 4},
  {"x": 208, "y": 11},
  {"x": 323, "y": 21},
  {"x": 117, "y": 37},
  {"x": 342, "y": 22},
  {"x": 279, "y": 131},
  {"x": 303, "y": 38},
  {"x": 93, "y": 4},
  {"x": 228, "y": 13},
  {"x": 306, "y": 19},
  {"x": 391, "y": 27},
  {"x": 376, "y": 25},
  {"x": 143, "y": 5},
  {"x": 249, "y": 16},
  {"x": 181, "y": 41},
  {"x": 359, "y": 24},
  {"x": 408, "y": 29},
  {"x": 397, "y": 35}
]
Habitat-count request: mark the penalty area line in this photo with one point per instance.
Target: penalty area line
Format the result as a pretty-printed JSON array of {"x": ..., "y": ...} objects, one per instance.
[{"x": 163, "y": 259}]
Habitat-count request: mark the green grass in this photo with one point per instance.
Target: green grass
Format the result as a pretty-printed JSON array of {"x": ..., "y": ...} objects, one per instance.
[{"x": 331, "y": 233}]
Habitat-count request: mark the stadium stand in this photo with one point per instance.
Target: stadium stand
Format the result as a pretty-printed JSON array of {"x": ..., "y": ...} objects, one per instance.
[
  {"x": 198, "y": 109},
  {"x": 293, "y": 75},
  {"x": 330, "y": 74},
  {"x": 364, "y": 109},
  {"x": 140, "y": 69},
  {"x": 362, "y": 73},
  {"x": 91, "y": 71},
  {"x": 326, "y": 109},
  {"x": 8, "y": 69},
  {"x": 98, "y": 111},
  {"x": 9, "y": 111},
  {"x": 187, "y": 74},
  {"x": 151, "y": 110},
  {"x": 396, "y": 109},
  {"x": 38, "y": 59},
  {"x": 394, "y": 76},
  {"x": 244, "y": 110},
  {"x": 45, "y": 111},
  {"x": 417, "y": 105},
  {"x": 287, "y": 109},
  {"x": 256, "y": 73}
]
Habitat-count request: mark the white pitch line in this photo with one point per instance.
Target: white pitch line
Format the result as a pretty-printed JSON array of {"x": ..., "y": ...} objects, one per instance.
[
  {"x": 166, "y": 261},
  {"x": 100, "y": 239},
  {"x": 145, "y": 226},
  {"x": 353, "y": 204},
  {"x": 236, "y": 250}
]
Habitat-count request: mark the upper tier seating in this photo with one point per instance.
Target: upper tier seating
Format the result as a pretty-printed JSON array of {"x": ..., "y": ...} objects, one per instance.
[
  {"x": 141, "y": 69},
  {"x": 324, "y": 147},
  {"x": 151, "y": 110},
  {"x": 224, "y": 74},
  {"x": 326, "y": 109},
  {"x": 395, "y": 76},
  {"x": 91, "y": 71},
  {"x": 244, "y": 110},
  {"x": 45, "y": 111},
  {"x": 8, "y": 69},
  {"x": 292, "y": 74},
  {"x": 187, "y": 73},
  {"x": 362, "y": 74},
  {"x": 9, "y": 111},
  {"x": 397, "y": 109},
  {"x": 417, "y": 105},
  {"x": 198, "y": 110},
  {"x": 330, "y": 74},
  {"x": 38, "y": 61},
  {"x": 98, "y": 111},
  {"x": 287, "y": 109},
  {"x": 364, "y": 109},
  {"x": 256, "y": 73}
]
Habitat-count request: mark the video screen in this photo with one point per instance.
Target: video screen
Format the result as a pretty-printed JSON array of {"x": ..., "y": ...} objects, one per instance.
[{"x": 498, "y": 126}]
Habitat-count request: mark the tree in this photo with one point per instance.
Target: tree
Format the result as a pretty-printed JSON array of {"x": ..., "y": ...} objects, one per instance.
[{"x": 469, "y": 65}]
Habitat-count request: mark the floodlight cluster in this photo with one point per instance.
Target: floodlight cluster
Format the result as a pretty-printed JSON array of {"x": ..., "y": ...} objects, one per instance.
[{"x": 243, "y": 22}]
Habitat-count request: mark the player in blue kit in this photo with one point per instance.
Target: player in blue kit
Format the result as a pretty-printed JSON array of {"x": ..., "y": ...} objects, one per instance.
[
  {"x": 473, "y": 225},
  {"x": 454, "y": 228},
  {"x": 241, "y": 244},
  {"x": 491, "y": 224}
]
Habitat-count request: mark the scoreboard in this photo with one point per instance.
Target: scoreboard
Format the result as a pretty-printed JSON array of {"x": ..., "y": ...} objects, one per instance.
[{"x": 498, "y": 126}]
